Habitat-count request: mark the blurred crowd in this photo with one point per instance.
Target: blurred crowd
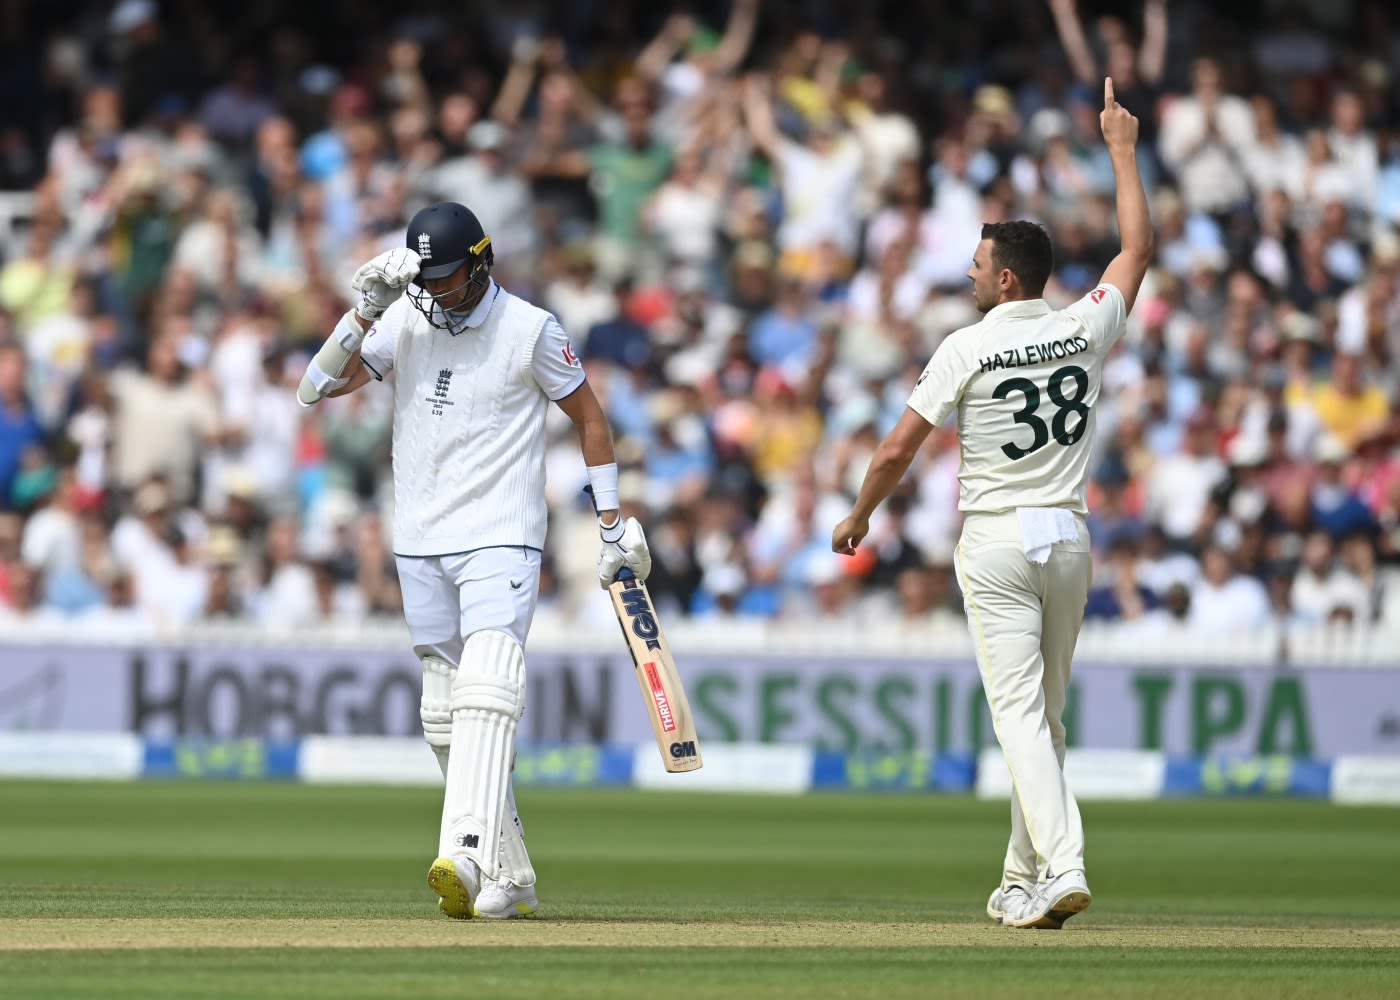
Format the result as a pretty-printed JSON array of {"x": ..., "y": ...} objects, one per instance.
[{"x": 754, "y": 218}]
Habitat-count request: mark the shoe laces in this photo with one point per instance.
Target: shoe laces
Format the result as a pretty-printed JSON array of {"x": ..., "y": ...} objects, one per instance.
[{"x": 1013, "y": 897}]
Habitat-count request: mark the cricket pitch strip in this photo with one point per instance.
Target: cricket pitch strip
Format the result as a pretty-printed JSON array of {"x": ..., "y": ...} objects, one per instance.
[{"x": 142, "y": 933}]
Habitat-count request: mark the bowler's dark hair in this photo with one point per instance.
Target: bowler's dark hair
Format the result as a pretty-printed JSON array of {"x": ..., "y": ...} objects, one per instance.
[{"x": 1024, "y": 249}]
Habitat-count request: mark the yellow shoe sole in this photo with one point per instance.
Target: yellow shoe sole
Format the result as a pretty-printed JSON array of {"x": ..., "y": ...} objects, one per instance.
[{"x": 456, "y": 898}]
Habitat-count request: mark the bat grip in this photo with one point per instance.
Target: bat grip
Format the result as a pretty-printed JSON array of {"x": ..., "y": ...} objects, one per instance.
[{"x": 625, "y": 573}]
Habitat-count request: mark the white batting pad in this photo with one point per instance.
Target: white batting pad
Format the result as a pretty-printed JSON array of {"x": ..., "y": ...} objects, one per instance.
[
  {"x": 515, "y": 862},
  {"x": 435, "y": 708},
  {"x": 488, "y": 695}
]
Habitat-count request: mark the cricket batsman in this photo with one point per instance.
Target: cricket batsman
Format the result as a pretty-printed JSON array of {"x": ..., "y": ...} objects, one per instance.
[
  {"x": 1024, "y": 382},
  {"x": 475, "y": 369}
]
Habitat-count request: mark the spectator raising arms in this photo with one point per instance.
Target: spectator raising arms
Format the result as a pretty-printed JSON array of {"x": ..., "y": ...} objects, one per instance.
[{"x": 754, "y": 219}]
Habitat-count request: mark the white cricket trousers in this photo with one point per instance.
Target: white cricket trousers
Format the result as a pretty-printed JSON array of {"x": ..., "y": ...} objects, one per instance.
[
  {"x": 447, "y": 598},
  {"x": 1024, "y": 618}
]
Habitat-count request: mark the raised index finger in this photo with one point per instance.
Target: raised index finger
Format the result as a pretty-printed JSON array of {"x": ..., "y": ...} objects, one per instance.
[{"x": 1108, "y": 93}]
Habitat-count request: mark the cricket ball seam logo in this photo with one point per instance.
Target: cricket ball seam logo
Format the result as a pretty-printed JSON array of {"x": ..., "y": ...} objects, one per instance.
[{"x": 658, "y": 695}]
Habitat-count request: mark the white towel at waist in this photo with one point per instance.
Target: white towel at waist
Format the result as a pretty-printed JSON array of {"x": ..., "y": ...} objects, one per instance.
[{"x": 1042, "y": 527}]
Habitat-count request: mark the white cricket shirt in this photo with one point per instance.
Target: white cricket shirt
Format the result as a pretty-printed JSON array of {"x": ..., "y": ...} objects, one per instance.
[
  {"x": 1024, "y": 381},
  {"x": 469, "y": 421}
]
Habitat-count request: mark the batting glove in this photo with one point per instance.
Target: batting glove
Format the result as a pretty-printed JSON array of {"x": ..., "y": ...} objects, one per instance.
[
  {"x": 624, "y": 545},
  {"x": 383, "y": 279}
]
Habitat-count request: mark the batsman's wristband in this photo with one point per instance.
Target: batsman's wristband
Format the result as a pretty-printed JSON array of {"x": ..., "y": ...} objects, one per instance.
[
  {"x": 603, "y": 479},
  {"x": 608, "y": 532}
]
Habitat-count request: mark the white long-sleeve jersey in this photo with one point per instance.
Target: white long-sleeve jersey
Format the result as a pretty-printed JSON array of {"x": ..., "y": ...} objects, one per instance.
[{"x": 469, "y": 421}]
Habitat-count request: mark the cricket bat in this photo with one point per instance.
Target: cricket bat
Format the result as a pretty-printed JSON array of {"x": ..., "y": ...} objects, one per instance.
[{"x": 667, "y": 705}]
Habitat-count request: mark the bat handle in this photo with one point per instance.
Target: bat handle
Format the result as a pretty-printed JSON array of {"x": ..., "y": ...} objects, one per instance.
[{"x": 625, "y": 573}]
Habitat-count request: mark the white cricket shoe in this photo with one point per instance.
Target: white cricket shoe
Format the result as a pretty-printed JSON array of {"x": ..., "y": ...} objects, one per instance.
[
  {"x": 1053, "y": 903},
  {"x": 457, "y": 881},
  {"x": 1002, "y": 901},
  {"x": 502, "y": 899}
]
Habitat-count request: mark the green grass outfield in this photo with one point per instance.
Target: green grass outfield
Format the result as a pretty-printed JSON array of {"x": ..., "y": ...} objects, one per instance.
[{"x": 193, "y": 890}]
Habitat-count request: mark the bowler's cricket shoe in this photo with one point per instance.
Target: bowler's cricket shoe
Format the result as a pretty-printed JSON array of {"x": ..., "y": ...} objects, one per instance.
[
  {"x": 1008, "y": 900},
  {"x": 457, "y": 883},
  {"x": 1053, "y": 903},
  {"x": 502, "y": 899}
]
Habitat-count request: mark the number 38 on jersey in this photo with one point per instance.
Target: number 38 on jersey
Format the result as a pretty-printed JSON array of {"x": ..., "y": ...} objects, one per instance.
[{"x": 1063, "y": 420}]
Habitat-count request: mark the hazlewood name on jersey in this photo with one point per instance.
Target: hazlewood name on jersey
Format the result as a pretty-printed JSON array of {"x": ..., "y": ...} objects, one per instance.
[
  {"x": 1023, "y": 435},
  {"x": 1034, "y": 354}
]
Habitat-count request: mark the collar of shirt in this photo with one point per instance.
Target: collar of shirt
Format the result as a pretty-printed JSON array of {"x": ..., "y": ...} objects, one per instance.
[
  {"x": 1018, "y": 309},
  {"x": 477, "y": 315},
  {"x": 483, "y": 308}
]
